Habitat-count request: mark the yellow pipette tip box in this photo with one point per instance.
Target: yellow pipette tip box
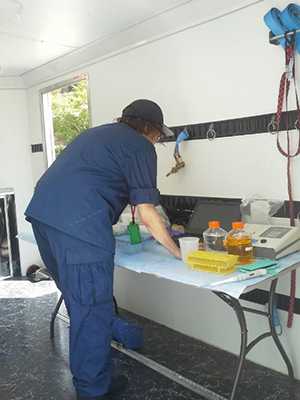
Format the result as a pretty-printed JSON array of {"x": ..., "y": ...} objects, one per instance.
[{"x": 218, "y": 263}]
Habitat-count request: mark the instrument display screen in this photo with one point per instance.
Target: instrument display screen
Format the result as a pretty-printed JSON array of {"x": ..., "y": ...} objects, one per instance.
[{"x": 276, "y": 232}]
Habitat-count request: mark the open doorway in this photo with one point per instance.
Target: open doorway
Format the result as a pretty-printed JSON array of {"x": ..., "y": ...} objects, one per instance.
[{"x": 66, "y": 113}]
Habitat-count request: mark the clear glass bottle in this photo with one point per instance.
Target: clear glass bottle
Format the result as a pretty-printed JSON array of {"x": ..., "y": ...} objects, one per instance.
[
  {"x": 239, "y": 242},
  {"x": 214, "y": 237}
]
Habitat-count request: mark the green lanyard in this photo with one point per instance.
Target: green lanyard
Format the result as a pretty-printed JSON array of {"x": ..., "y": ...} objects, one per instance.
[{"x": 133, "y": 229}]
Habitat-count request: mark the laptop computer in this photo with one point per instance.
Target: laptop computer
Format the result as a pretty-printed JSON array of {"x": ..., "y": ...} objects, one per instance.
[{"x": 225, "y": 211}]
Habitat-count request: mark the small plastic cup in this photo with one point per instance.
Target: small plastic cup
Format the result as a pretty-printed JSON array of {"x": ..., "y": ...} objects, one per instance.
[{"x": 187, "y": 245}]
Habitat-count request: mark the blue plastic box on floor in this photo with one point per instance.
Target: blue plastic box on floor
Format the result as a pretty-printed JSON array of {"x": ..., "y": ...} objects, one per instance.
[{"x": 129, "y": 334}]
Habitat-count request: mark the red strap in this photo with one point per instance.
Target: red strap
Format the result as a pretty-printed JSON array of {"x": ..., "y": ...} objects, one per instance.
[
  {"x": 283, "y": 95},
  {"x": 292, "y": 299},
  {"x": 133, "y": 208}
]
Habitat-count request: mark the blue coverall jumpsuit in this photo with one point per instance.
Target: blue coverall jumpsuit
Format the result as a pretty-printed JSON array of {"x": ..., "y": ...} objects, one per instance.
[{"x": 72, "y": 211}]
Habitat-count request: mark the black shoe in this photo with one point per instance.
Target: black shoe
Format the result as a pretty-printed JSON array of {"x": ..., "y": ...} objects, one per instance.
[
  {"x": 117, "y": 386},
  {"x": 103, "y": 397}
]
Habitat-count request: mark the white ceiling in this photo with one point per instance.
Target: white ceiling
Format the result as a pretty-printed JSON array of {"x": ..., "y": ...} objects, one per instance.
[
  {"x": 32, "y": 32},
  {"x": 35, "y": 32}
]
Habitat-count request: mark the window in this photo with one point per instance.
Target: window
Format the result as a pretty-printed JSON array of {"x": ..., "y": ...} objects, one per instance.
[{"x": 65, "y": 114}]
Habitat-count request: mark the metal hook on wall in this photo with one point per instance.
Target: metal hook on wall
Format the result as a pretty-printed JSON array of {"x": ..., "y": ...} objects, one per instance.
[
  {"x": 211, "y": 134},
  {"x": 272, "y": 126}
]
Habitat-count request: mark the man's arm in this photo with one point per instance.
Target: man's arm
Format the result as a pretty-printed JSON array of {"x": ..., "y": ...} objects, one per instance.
[{"x": 153, "y": 222}]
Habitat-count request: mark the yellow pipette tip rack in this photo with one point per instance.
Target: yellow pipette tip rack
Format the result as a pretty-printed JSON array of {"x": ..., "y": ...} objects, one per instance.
[{"x": 217, "y": 263}]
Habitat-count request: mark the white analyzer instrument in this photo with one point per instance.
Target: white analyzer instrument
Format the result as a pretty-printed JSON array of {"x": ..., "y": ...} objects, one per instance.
[{"x": 274, "y": 241}]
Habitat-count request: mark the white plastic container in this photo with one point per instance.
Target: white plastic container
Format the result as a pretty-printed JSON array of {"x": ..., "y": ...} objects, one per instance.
[
  {"x": 214, "y": 237},
  {"x": 187, "y": 245}
]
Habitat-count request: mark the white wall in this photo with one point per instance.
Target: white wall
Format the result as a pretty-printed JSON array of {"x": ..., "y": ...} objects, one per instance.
[
  {"x": 222, "y": 70},
  {"x": 15, "y": 160}
]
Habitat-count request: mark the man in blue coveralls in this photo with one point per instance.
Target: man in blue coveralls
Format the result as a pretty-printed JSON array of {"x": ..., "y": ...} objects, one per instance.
[{"x": 72, "y": 211}]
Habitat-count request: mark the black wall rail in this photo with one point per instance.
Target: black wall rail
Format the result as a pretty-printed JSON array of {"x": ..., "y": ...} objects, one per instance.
[
  {"x": 226, "y": 128},
  {"x": 235, "y": 127}
]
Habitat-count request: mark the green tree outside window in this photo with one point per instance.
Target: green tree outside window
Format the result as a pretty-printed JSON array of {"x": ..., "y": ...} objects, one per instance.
[{"x": 70, "y": 113}]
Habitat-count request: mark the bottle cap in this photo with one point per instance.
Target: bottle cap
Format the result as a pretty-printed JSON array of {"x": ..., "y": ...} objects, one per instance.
[
  {"x": 238, "y": 225},
  {"x": 214, "y": 224}
]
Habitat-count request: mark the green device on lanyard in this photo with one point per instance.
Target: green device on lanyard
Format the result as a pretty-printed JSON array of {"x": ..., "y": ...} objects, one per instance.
[{"x": 133, "y": 229}]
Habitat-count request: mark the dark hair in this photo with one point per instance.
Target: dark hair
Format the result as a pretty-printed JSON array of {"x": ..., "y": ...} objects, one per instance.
[{"x": 140, "y": 125}]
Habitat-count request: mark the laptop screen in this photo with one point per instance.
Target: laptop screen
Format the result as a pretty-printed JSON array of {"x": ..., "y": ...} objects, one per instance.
[{"x": 225, "y": 211}]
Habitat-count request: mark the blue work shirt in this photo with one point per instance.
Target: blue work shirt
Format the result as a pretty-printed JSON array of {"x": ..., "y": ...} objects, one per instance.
[{"x": 88, "y": 186}]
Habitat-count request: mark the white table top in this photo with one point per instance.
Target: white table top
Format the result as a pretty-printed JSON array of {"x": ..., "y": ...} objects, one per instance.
[{"x": 153, "y": 259}]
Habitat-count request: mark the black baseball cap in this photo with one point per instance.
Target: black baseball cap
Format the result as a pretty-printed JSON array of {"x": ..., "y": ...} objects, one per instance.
[{"x": 148, "y": 111}]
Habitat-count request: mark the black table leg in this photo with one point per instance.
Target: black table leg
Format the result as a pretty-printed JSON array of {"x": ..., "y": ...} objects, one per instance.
[
  {"x": 235, "y": 304},
  {"x": 245, "y": 347},
  {"x": 54, "y": 315},
  {"x": 116, "y": 306}
]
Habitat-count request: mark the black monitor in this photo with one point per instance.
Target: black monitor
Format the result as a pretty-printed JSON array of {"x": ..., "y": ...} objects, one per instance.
[{"x": 225, "y": 211}]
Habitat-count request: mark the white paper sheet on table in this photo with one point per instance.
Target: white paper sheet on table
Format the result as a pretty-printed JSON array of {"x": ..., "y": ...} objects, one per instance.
[{"x": 155, "y": 260}]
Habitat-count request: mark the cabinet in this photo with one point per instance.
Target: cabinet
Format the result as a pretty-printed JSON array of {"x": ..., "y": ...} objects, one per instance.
[{"x": 9, "y": 246}]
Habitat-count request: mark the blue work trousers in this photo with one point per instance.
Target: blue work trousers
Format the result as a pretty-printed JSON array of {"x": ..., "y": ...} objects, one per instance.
[{"x": 84, "y": 275}]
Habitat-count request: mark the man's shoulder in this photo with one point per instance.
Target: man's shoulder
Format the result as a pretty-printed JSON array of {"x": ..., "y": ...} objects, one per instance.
[
  {"x": 122, "y": 135},
  {"x": 111, "y": 127},
  {"x": 109, "y": 132}
]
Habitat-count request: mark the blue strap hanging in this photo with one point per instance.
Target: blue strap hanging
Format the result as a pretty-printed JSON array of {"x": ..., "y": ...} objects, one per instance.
[
  {"x": 183, "y": 135},
  {"x": 282, "y": 22},
  {"x": 290, "y": 17},
  {"x": 179, "y": 163},
  {"x": 274, "y": 23}
]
